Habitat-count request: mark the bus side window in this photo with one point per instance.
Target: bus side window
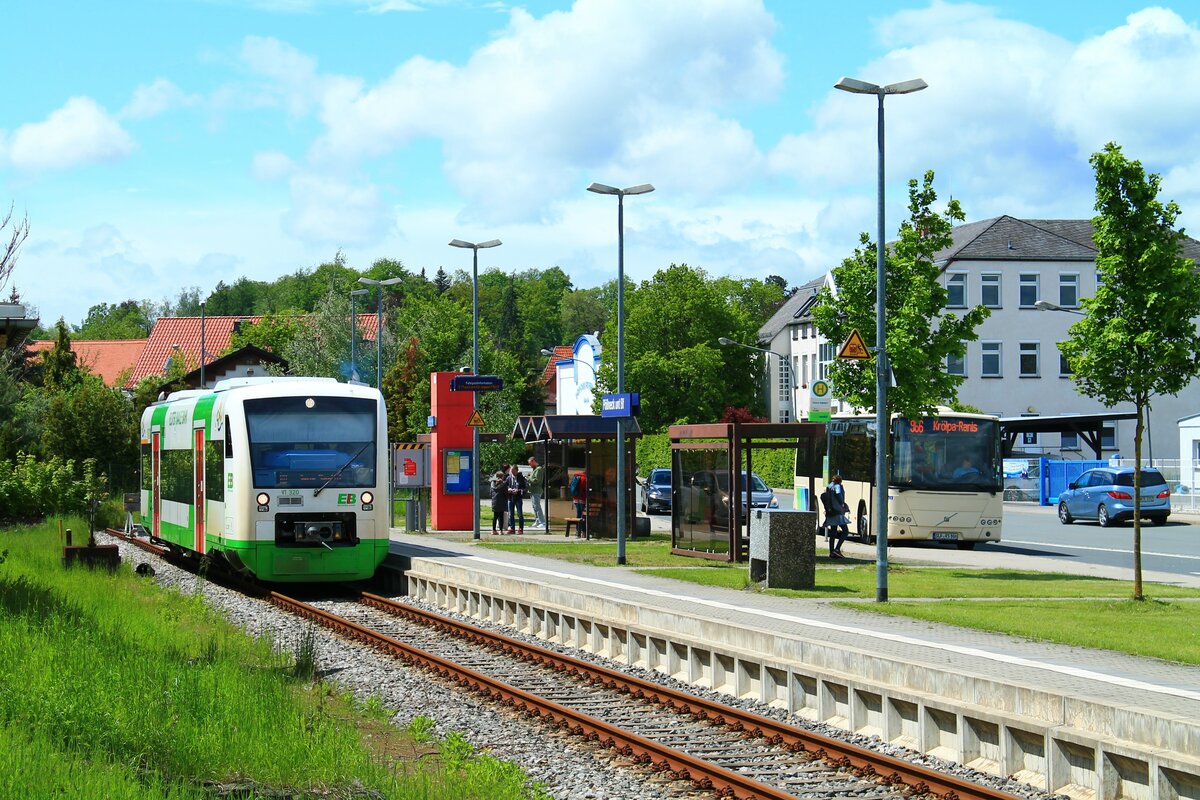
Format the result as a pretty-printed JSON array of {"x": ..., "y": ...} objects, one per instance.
[{"x": 228, "y": 438}]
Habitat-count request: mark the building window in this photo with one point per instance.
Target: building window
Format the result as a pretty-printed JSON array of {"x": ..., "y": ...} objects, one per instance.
[
  {"x": 1068, "y": 290},
  {"x": 956, "y": 290},
  {"x": 785, "y": 415},
  {"x": 989, "y": 366},
  {"x": 1029, "y": 360},
  {"x": 1030, "y": 292},
  {"x": 990, "y": 289},
  {"x": 1108, "y": 436},
  {"x": 795, "y": 333},
  {"x": 804, "y": 370},
  {"x": 785, "y": 382},
  {"x": 825, "y": 353},
  {"x": 956, "y": 365},
  {"x": 1064, "y": 368},
  {"x": 1070, "y": 441}
]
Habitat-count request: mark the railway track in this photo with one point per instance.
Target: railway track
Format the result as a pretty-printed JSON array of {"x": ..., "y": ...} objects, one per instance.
[{"x": 726, "y": 751}]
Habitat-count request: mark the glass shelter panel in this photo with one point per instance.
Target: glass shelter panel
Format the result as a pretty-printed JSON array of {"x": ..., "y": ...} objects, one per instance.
[{"x": 699, "y": 517}]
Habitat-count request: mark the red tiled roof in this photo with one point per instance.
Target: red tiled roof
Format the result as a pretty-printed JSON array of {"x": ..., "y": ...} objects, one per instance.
[
  {"x": 106, "y": 358},
  {"x": 549, "y": 384},
  {"x": 184, "y": 332}
]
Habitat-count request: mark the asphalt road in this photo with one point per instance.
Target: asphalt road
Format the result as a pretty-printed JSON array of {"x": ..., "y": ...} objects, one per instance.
[{"x": 1034, "y": 539}]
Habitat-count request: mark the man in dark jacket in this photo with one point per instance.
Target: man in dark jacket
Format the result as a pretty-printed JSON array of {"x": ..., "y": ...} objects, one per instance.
[{"x": 516, "y": 499}]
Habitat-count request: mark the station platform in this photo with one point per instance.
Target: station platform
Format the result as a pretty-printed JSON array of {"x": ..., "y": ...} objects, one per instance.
[{"x": 1088, "y": 724}]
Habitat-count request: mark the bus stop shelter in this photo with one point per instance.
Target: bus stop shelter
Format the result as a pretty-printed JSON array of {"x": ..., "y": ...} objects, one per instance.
[
  {"x": 583, "y": 444},
  {"x": 706, "y": 477}
]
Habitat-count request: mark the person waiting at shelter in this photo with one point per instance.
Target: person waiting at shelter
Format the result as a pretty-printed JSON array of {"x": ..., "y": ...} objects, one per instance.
[
  {"x": 517, "y": 486},
  {"x": 499, "y": 496}
]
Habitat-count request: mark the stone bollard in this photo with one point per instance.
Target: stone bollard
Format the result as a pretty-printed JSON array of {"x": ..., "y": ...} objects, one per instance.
[{"x": 783, "y": 550}]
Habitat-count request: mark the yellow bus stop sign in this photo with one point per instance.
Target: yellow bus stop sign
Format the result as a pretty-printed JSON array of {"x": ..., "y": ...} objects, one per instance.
[{"x": 854, "y": 347}]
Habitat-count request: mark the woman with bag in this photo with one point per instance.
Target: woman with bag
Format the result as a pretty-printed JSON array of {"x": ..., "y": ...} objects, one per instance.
[{"x": 837, "y": 516}]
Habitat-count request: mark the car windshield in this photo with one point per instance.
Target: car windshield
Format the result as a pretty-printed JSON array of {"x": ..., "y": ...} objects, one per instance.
[
  {"x": 304, "y": 441},
  {"x": 660, "y": 477},
  {"x": 1150, "y": 477},
  {"x": 757, "y": 484},
  {"x": 946, "y": 453}
]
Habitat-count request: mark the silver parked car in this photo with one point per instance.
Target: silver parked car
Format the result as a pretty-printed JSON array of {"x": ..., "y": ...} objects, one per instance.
[{"x": 1106, "y": 495}]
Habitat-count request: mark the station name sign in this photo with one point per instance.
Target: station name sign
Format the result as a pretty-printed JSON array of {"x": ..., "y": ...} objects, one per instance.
[
  {"x": 619, "y": 405},
  {"x": 476, "y": 383}
]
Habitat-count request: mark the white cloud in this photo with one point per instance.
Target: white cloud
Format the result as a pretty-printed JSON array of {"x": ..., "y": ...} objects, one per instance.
[
  {"x": 270, "y": 165},
  {"x": 550, "y": 103},
  {"x": 332, "y": 211},
  {"x": 152, "y": 99},
  {"x": 79, "y": 133}
]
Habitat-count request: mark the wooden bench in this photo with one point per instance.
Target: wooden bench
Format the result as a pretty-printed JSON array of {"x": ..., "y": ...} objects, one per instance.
[{"x": 573, "y": 521}]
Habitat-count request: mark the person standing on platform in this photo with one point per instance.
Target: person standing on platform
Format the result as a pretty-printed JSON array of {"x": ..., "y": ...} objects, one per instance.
[
  {"x": 536, "y": 480},
  {"x": 579, "y": 498},
  {"x": 499, "y": 487},
  {"x": 517, "y": 486},
  {"x": 837, "y": 516}
]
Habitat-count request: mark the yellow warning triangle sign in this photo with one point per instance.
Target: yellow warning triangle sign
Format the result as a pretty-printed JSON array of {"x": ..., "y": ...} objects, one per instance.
[
  {"x": 476, "y": 420},
  {"x": 854, "y": 347}
]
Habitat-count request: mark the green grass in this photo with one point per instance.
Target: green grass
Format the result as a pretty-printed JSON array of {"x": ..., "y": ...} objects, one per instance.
[
  {"x": 1055, "y": 607},
  {"x": 110, "y": 687},
  {"x": 1151, "y": 628}
]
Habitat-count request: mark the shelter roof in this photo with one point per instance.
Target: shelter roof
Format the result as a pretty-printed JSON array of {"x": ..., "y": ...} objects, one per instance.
[{"x": 563, "y": 427}]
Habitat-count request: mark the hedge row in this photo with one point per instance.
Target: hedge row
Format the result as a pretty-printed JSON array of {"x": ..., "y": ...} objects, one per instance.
[{"x": 776, "y": 467}]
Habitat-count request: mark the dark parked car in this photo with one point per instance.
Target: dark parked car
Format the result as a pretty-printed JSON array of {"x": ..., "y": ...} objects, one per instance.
[
  {"x": 1106, "y": 495},
  {"x": 656, "y": 492}
]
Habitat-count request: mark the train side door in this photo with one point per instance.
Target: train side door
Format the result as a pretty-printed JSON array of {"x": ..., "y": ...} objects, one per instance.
[
  {"x": 198, "y": 456},
  {"x": 156, "y": 471}
]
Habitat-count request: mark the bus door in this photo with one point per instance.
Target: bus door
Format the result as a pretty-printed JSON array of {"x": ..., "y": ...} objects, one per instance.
[
  {"x": 199, "y": 461},
  {"x": 156, "y": 490}
]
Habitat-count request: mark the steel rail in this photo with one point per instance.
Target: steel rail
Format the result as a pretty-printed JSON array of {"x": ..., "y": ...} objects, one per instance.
[
  {"x": 703, "y": 775},
  {"x": 890, "y": 770}
]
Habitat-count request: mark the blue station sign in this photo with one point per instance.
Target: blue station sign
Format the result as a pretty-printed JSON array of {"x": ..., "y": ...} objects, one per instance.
[
  {"x": 619, "y": 405},
  {"x": 476, "y": 383}
]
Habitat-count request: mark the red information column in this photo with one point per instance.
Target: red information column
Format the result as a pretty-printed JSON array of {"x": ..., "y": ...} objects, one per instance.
[{"x": 452, "y": 468}]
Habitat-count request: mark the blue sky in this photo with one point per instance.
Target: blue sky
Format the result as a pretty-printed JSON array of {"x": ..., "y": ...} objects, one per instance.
[{"x": 173, "y": 143}]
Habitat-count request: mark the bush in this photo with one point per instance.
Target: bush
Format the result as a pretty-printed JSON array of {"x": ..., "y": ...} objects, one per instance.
[
  {"x": 31, "y": 489},
  {"x": 110, "y": 514},
  {"x": 776, "y": 467}
]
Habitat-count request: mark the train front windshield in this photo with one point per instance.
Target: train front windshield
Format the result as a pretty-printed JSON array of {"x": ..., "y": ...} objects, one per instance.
[
  {"x": 312, "y": 441},
  {"x": 946, "y": 453}
]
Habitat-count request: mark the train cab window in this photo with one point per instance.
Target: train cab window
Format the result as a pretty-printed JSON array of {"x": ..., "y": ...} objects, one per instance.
[{"x": 228, "y": 439}]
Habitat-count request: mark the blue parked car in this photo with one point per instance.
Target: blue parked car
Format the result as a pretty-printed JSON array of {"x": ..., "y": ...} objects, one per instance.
[
  {"x": 1106, "y": 495},
  {"x": 656, "y": 492}
]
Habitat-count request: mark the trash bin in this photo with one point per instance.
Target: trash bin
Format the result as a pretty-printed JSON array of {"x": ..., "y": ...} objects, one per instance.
[{"x": 783, "y": 548}]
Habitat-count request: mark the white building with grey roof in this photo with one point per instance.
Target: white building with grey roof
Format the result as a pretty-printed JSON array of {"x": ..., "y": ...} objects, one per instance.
[{"x": 1014, "y": 369}]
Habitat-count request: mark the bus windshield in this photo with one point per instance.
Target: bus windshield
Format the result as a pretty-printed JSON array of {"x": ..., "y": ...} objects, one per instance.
[
  {"x": 304, "y": 441},
  {"x": 946, "y": 452}
]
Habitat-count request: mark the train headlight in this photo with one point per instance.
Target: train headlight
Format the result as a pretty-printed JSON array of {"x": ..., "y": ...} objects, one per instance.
[
  {"x": 264, "y": 501},
  {"x": 367, "y": 498}
]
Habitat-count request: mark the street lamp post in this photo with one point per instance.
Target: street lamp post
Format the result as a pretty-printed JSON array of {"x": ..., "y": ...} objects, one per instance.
[
  {"x": 881, "y": 366},
  {"x": 727, "y": 342},
  {"x": 379, "y": 323},
  {"x": 600, "y": 188},
  {"x": 354, "y": 332},
  {"x": 474, "y": 248}
]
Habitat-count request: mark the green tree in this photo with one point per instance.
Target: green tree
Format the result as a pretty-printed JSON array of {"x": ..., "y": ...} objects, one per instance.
[
  {"x": 126, "y": 320},
  {"x": 672, "y": 357},
  {"x": 920, "y": 334},
  {"x": 91, "y": 420},
  {"x": 60, "y": 366},
  {"x": 243, "y": 298},
  {"x": 582, "y": 311},
  {"x": 1138, "y": 335},
  {"x": 273, "y": 333}
]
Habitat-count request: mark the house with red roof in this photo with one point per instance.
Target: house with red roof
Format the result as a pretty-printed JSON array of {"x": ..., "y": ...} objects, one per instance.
[{"x": 112, "y": 359}]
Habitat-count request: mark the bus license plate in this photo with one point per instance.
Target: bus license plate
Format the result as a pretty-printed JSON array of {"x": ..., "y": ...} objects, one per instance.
[{"x": 945, "y": 536}]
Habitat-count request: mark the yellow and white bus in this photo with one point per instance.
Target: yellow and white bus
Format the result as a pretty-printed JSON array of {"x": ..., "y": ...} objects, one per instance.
[{"x": 944, "y": 476}]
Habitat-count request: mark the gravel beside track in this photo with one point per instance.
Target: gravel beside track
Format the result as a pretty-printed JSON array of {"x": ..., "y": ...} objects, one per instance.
[{"x": 567, "y": 766}]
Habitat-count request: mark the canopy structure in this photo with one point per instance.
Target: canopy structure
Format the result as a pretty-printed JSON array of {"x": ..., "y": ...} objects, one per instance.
[
  {"x": 1089, "y": 427},
  {"x": 567, "y": 427}
]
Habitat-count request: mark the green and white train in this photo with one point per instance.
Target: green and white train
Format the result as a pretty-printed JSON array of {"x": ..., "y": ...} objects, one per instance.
[{"x": 282, "y": 478}]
